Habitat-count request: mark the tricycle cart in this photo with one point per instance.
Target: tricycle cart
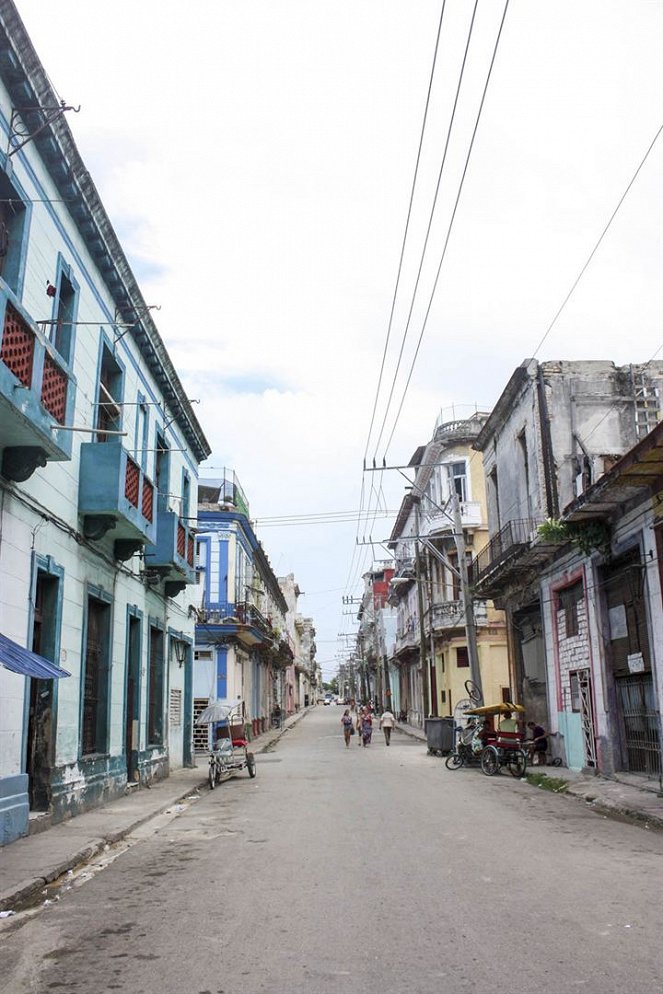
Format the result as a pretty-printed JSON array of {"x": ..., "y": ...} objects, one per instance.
[
  {"x": 229, "y": 754},
  {"x": 490, "y": 746}
]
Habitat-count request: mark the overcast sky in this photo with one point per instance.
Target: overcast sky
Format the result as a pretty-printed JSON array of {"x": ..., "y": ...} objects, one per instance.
[{"x": 256, "y": 158}]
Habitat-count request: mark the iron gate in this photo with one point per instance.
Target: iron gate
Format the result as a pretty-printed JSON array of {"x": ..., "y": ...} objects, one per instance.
[{"x": 641, "y": 724}]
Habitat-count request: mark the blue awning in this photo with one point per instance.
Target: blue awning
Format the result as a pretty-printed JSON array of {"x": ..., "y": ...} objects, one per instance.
[{"x": 19, "y": 660}]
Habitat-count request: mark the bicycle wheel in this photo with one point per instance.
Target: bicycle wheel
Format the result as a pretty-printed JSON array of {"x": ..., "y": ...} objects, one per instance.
[
  {"x": 454, "y": 761},
  {"x": 473, "y": 692},
  {"x": 211, "y": 776},
  {"x": 517, "y": 763},
  {"x": 490, "y": 761},
  {"x": 251, "y": 764}
]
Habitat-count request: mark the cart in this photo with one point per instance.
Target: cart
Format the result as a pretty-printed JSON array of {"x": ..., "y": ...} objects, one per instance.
[
  {"x": 493, "y": 748},
  {"x": 229, "y": 754}
]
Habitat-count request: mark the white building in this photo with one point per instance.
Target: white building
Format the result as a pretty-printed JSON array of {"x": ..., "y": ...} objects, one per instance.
[{"x": 99, "y": 453}]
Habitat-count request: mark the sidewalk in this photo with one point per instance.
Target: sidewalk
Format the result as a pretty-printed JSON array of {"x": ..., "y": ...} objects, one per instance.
[
  {"x": 29, "y": 864},
  {"x": 627, "y": 797}
]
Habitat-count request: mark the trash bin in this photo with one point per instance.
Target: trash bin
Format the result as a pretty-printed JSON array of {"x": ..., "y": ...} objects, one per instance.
[{"x": 439, "y": 734}]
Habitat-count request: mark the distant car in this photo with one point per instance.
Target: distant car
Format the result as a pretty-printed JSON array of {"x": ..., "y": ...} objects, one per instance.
[
  {"x": 328, "y": 699},
  {"x": 339, "y": 700}
]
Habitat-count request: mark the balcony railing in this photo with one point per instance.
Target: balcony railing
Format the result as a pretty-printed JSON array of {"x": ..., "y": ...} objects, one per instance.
[
  {"x": 451, "y": 614},
  {"x": 172, "y": 554},
  {"x": 504, "y": 550},
  {"x": 115, "y": 494},
  {"x": 439, "y": 521},
  {"x": 224, "y": 490},
  {"x": 36, "y": 395}
]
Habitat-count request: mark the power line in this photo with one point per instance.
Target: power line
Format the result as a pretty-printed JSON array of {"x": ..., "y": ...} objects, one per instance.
[
  {"x": 601, "y": 237},
  {"x": 397, "y": 284},
  {"x": 407, "y": 225},
  {"x": 450, "y": 227},
  {"x": 430, "y": 225}
]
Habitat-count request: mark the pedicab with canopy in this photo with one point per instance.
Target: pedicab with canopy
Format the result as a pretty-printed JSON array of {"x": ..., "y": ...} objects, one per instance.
[
  {"x": 229, "y": 754},
  {"x": 479, "y": 741}
]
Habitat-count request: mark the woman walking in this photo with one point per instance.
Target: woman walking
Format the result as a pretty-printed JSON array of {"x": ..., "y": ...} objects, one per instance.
[
  {"x": 346, "y": 722},
  {"x": 366, "y": 727}
]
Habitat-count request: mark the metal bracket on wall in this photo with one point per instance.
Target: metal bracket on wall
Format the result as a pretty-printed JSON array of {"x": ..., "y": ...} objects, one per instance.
[{"x": 19, "y": 132}]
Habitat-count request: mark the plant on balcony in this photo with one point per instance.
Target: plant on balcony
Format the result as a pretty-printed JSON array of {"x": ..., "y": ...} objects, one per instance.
[{"x": 589, "y": 537}]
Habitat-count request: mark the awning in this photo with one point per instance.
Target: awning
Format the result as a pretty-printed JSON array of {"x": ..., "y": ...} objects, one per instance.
[{"x": 19, "y": 660}]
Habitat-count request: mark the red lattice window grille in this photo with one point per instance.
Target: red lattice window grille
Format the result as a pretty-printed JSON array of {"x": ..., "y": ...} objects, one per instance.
[
  {"x": 181, "y": 540},
  {"x": 148, "y": 500},
  {"x": 132, "y": 482},
  {"x": 18, "y": 346},
  {"x": 189, "y": 551},
  {"x": 54, "y": 389}
]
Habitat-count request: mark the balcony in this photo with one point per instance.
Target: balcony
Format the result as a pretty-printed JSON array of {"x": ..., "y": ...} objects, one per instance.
[
  {"x": 514, "y": 553},
  {"x": 440, "y": 523},
  {"x": 451, "y": 614},
  {"x": 172, "y": 555},
  {"x": 224, "y": 491},
  {"x": 114, "y": 494},
  {"x": 36, "y": 395},
  {"x": 407, "y": 636}
]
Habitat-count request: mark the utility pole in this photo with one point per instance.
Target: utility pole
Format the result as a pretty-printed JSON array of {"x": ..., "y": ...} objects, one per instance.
[
  {"x": 467, "y": 594},
  {"x": 425, "y": 674}
]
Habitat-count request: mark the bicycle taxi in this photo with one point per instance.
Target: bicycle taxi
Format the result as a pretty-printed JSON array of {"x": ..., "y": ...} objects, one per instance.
[
  {"x": 229, "y": 754},
  {"x": 491, "y": 738}
]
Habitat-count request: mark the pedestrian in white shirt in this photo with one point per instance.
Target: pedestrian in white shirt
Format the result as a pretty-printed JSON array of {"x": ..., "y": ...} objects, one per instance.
[{"x": 387, "y": 722}]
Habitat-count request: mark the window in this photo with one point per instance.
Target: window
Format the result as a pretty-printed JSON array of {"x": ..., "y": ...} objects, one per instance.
[
  {"x": 569, "y": 599},
  {"x": 109, "y": 395},
  {"x": 462, "y": 657},
  {"x": 65, "y": 306},
  {"x": 96, "y": 665},
  {"x": 155, "y": 688},
  {"x": 574, "y": 685},
  {"x": 13, "y": 229},
  {"x": 162, "y": 471},
  {"x": 186, "y": 495},
  {"x": 459, "y": 479},
  {"x": 142, "y": 426},
  {"x": 522, "y": 442}
]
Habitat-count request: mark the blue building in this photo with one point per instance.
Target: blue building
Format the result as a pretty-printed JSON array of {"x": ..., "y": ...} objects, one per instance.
[
  {"x": 242, "y": 646},
  {"x": 99, "y": 455}
]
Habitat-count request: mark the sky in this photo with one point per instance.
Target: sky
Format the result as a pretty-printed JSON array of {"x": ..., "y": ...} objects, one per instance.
[{"x": 256, "y": 158}]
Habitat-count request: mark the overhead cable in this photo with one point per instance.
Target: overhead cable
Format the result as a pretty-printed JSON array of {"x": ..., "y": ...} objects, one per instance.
[{"x": 450, "y": 227}]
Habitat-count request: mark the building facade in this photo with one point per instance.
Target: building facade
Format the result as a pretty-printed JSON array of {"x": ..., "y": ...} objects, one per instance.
[
  {"x": 431, "y": 648},
  {"x": 570, "y": 452},
  {"x": 99, "y": 454},
  {"x": 242, "y": 646}
]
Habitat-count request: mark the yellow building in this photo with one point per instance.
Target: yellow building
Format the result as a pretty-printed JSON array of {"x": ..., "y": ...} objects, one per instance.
[{"x": 429, "y": 591}]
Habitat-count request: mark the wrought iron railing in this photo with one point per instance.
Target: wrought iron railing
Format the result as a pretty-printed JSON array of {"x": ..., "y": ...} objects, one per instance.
[{"x": 509, "y": 541}]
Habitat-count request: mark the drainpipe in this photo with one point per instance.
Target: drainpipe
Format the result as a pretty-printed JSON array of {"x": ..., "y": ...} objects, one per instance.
[{"x": 549, "y": 472}]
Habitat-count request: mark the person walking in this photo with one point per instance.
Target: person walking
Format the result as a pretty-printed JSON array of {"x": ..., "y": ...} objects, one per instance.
[
  {"x": 366, "y": 727},
  {"x": 387, "y": 722},
  {"x": 346, "y": 722},
  {"x": 360, "y": 714}
]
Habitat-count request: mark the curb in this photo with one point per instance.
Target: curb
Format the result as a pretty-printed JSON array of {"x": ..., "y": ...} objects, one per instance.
[
  {"x": 619, "y": 813},
  {"x": 27, "y": 888}
]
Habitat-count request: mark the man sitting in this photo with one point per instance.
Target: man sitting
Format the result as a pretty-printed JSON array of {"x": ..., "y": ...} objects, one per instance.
[{"x": 537, "y": 744}]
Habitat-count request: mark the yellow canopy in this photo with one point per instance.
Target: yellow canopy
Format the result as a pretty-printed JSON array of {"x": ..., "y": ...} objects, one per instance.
[{"x": 504, "y": 708}]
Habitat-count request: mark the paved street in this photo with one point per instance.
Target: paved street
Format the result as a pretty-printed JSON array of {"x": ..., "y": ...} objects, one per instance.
[{"x": 371, "y": 870}]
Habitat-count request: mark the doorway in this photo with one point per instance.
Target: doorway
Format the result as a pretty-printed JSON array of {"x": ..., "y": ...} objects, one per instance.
[
  {"x": 40, "y": 744},
  {"x": 132, "y": 727}
]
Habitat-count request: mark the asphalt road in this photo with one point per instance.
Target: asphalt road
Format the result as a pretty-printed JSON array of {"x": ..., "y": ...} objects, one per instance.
[{"x": 372, "y": 870}]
